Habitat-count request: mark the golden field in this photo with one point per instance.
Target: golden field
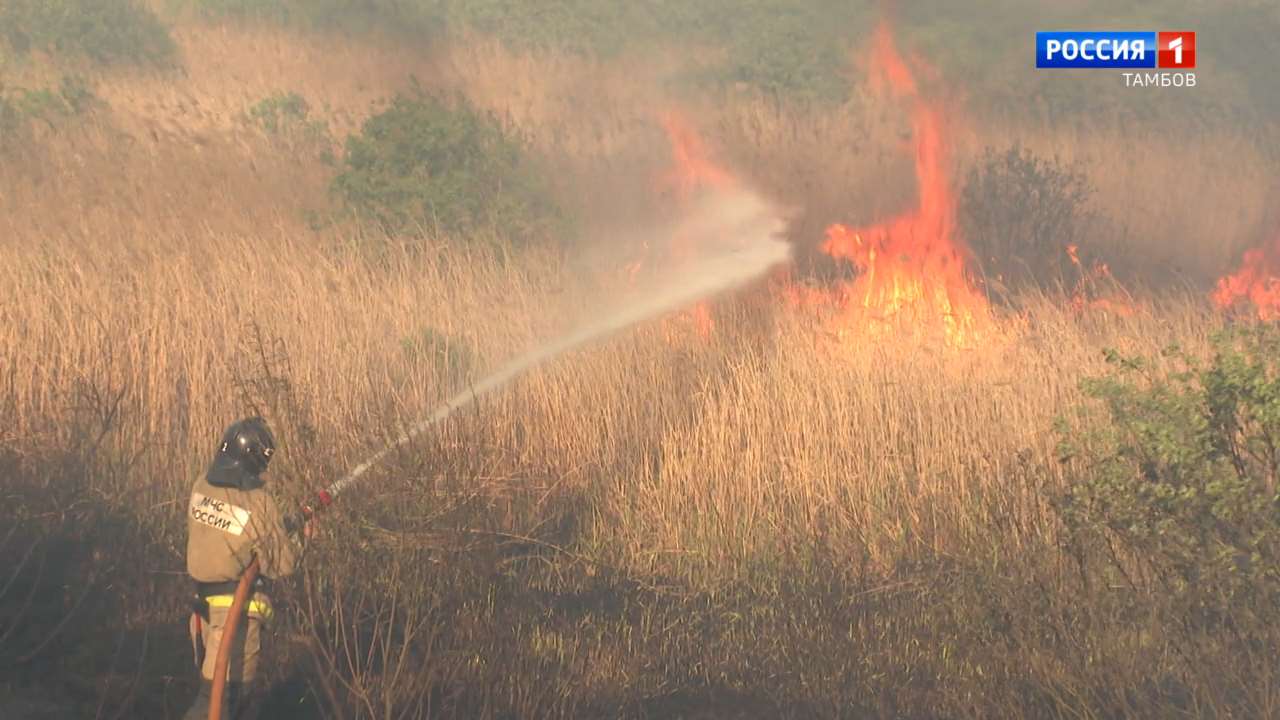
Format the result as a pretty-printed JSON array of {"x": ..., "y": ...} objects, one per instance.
[{"x": 784, "y": 518}]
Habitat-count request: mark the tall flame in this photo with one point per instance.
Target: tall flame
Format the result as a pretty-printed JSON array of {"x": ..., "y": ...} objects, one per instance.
[
  {"x": 692, "y": 171},
  {"x": 911, "y": 268},
  {"x": 691, "y": 166},
  {"x": 1257, "y": 282}
]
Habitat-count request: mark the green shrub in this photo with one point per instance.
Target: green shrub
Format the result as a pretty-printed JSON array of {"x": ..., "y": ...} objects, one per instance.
[
  {"x": 1176, "y": 489},
  {"x": 287, "y": 117},
  {"x": 422, "y": 165},
  {"x": 105, "y": 31},
  {"x": 72, "y": 97},
  {"x": 18, "y": 106},
  {"x": 76, "y": 95},
  {"x": 1019, "y": 213},
  {"x": 281, "y": 111}
]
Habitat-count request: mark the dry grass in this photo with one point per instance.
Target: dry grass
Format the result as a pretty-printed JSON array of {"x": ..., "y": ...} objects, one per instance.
[
  {"x": 691, "y": 467},
  {"x": 1214, "y": 200},
  {"x": 773, "y": 521}
]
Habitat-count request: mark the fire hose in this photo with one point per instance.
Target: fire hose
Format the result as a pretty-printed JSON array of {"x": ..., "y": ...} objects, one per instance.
[
  {"x": 223, "y": 659},
  {"x": 323, "y": 498}
]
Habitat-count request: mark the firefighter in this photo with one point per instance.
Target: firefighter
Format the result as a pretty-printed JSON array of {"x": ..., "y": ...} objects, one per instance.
[{"x": 230, "y": 520}]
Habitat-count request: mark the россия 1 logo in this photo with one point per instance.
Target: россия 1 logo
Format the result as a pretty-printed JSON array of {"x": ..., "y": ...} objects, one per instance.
[
  {"x": 1177, "y": 50},
  {"x": 1115, "y": 49}
]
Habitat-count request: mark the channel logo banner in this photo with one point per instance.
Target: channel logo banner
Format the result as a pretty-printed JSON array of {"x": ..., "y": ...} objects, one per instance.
[
  {"x": 1115, "y": 49},
  {"x": 1097, "y": 49}
]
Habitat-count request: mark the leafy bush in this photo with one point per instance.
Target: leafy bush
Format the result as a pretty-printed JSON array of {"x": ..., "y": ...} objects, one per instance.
[
  {"x": 287, "y": 117},
  {"x": 422, "y": 165},
  {"x": 1177, "y": 489},
  {"x": 73, "y": 97},
  {"x": 278, "y": 112},
  {"x": 105, "y": 31},
  {"x": 1020, "y": 212},
  {"x": 76, "y": 95}
]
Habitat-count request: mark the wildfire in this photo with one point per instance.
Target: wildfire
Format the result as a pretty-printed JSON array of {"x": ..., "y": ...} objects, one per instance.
[
  {"x": 692, "y": 168},
  {"x": 1088, "y": 284},
  {"x": 911, "y": 268},
  {"x": 1257, "y": 282},
  {"x": 692, "y": 171}
]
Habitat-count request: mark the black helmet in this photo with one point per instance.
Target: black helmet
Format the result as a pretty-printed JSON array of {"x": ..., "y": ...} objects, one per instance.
[{"x": 247, "y": 447}]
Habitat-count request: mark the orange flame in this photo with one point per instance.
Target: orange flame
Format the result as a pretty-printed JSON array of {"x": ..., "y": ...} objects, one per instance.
[
  {"x": 1257, "y": 282},
  {"x": 911, "y": 268},
  {"x": 692, "y": 168},
  {"x": 692, "y": 171},
  {"x": 1088, "y": 284}
]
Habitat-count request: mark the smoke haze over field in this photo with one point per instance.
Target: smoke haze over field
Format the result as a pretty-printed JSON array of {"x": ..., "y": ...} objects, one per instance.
[
  {"x": 740, "y": 238},
  {"x": 815, "y": 355}
]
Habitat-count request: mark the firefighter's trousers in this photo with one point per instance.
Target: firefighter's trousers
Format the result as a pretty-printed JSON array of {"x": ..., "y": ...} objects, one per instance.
[{"x": 244, "y": 655}]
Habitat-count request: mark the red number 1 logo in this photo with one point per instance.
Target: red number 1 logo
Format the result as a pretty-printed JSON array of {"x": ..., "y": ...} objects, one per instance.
[{"x": 1176, "y": 49}]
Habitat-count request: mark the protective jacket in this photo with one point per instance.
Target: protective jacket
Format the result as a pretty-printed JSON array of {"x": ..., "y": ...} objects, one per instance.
[{"x": 227, "y": 525}]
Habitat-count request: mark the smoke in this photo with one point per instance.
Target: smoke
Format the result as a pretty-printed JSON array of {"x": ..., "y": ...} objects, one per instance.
[{"x": 739, "y": 236}]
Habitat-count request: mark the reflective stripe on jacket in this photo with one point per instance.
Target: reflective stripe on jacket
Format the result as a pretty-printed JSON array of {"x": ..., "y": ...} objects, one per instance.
[{"x": 259, "y": 605}]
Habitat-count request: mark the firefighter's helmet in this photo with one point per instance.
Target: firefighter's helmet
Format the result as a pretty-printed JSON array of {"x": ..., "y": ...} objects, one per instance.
[{"x": 243, "y": 455}]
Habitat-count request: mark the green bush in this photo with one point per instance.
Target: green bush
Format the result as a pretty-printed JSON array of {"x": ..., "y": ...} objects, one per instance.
[
  {"x": 422, "y": 165},
  {"x": 76, "y": 95},
  {"x": 18, "y": 106},
  {"x": 1176, "y": 489},
  {"x": 1019, "y": 213},
  {"x": 279, "y": 112},
  {"x": 105, "y": 31},
  {"x": 287, "y": 117}
]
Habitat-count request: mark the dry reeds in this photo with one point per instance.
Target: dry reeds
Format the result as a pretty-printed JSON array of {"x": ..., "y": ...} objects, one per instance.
[{"x": 840, "y": 524}]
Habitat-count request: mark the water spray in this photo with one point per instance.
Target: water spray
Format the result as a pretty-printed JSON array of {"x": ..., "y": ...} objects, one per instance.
[
  {"x": 747, "y": 232},
  {"x": 744, "y": 235}
]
